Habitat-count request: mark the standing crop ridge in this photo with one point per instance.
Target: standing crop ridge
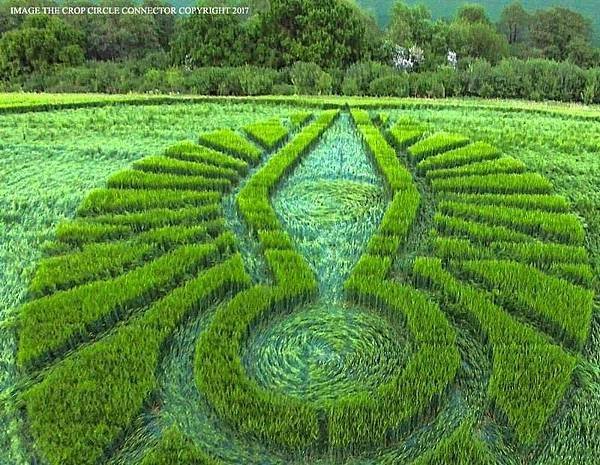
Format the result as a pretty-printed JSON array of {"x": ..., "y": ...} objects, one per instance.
[{"x": 326, "y": 287}]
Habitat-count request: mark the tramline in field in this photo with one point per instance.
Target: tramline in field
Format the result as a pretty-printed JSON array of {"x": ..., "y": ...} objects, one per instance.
[{"x": 501, "y": 270}]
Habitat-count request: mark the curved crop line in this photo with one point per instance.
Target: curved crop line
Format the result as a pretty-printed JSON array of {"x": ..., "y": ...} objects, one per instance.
[
  {"x": 357, "y": 422},
  {"x": 151, "y": 251},
  {"x": 167, "y": 213},
  {"x": 272, "y": 417},
  {"x": 509, "y": 234}
]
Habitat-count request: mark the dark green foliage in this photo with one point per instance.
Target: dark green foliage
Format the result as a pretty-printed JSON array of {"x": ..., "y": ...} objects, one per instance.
[
  {"x": 360, "y": 76},
  {"x": 330, "y": 33},
  {"x": 396, "y": 85},
  {"x": 40, "y": 42},
  {"x": 224, "y": 40},
  {"x": 310, "y": 79}
]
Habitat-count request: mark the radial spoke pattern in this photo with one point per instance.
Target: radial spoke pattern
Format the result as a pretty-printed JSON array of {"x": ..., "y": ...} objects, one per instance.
[{"x": 352, "y": 345}]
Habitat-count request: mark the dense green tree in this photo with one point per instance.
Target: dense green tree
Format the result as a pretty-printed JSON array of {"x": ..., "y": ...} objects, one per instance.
[
  {"x": 410, "y": 25},
  {"x": 210, "y": 40},
  {"x": 9, "y": 21},
  {"x": 477, "y": 40},
  {"x": 473, "y": 13},
  {"x": 163, "y": 24},
  {"x": 329, "y": 33},
  {"x": 514, "y": 23},
  {"x": 39, "y": 42},
  {"x": 116, "y": 37},
  {"x": 553, "y": 30},
  {"x": 582, "y": 53}
]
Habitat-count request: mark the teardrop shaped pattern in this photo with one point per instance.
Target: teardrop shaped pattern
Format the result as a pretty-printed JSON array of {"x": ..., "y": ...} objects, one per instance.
[{"x": 338, "y": 353}]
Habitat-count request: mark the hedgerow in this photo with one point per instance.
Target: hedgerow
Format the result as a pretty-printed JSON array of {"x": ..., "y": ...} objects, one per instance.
[{"x": 232, "y": 143}]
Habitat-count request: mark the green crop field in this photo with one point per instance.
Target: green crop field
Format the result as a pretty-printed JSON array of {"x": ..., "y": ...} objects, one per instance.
[{"x": 290, "y": 280}]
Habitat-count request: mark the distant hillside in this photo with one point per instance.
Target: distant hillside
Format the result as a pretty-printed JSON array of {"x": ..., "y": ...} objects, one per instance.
[{"x": 447, "y": 8}]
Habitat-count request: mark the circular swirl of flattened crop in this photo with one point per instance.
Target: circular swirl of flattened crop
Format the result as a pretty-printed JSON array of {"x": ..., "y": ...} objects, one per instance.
[
  {"x": 324, "y": 352},
  {"x": 302, "y": 368}
]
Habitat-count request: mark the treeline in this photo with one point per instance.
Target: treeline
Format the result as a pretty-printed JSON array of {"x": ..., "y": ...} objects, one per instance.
[{"x": 304, "y": 46}]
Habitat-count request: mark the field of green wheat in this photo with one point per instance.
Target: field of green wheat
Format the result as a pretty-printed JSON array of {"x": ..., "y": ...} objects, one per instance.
[{"x": 298, "y": 281}]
